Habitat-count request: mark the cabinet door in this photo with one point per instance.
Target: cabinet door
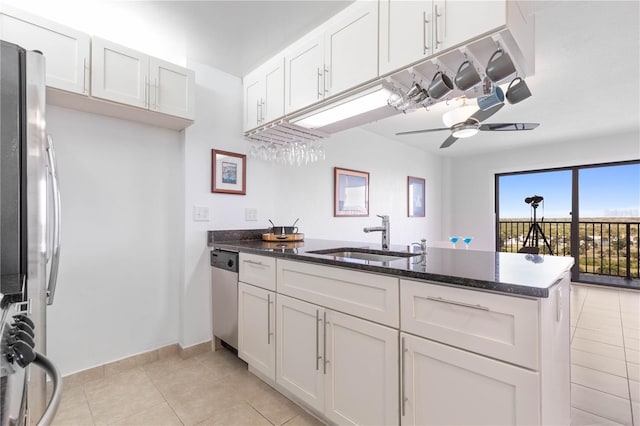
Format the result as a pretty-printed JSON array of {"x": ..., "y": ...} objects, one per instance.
[
  {"x": 172, "y": 89},
  {"x": 442, "y": 385},
  {"x": 361, "y": 372},
  {"x": 459, "y": 21},
  {"x": 119, "y": 74},
  {"x": 273, "y": 106},
  {"x": 256, "y": 323},
  {"x": 66, "y": 50},
  {"x": 305, "y": 74},
  {"x": 351, "y": 48},
  {"x": 300, "y": 350},
  {"x": 253, "y": 98},
  {"x": 403, "y": 33}
]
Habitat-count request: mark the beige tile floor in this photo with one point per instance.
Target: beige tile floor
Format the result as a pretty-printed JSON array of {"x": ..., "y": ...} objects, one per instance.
[
  {"x": 215, "y": 388},
  {"x": 605, "y": 356}
]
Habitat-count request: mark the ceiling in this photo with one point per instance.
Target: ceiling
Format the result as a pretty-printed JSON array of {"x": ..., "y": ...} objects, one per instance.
[{"x": 586, "y": 65}]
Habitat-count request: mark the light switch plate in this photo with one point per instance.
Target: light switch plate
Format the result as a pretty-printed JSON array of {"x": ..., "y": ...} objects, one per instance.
[
  {"x": 200, "y": 214},
  {"x": 251, "y": 215}
]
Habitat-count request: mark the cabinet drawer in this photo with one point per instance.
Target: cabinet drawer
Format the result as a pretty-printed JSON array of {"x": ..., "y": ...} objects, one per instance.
[
  {"x": 258, "y": 270},
  {"x": 365, "y": 295},
  {"x": 502, "y": 327}
]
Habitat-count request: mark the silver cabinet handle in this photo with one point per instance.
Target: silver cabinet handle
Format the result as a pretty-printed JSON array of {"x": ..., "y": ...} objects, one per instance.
[
  {"x": 318, "y": 92},
  {"x": 155, "y": 94},
  {"x": 324, "y": 343},
  {"x": 56, "y": 378},
  {"x": 324, "y": 79},
  {"x": 403, "y": 394},
  {"x": 262, "y": 108},
  {"x": 146, "y": 93},
  {"x": 257, "y": 111},
  {"x": 317, "y": 336},
  {"x": 84, "y": 75},
  {"x": 55, "y": 259},
  {"x": 424, "y": 32},
  {"x": 453, "y": 302},
  {"x": 435, "y": 23},
  {"x": 253, "y": 262},
  {"x": 268, "y": 318}
]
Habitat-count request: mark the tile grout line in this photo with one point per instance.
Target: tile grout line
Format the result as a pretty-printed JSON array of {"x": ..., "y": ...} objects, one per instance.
[
  {"x": 163, "y": 396},
  {"x": 587, "y": 410}
]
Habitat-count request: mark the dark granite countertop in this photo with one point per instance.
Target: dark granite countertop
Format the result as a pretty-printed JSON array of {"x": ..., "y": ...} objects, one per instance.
[{"x": 512, "y": 273}]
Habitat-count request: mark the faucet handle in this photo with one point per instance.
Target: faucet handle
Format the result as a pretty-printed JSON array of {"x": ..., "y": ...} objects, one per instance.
[{"x": 383, "y": 216}]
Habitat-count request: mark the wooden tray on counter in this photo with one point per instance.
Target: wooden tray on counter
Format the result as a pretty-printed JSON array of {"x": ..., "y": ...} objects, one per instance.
[{"x": 283, "y": 237}]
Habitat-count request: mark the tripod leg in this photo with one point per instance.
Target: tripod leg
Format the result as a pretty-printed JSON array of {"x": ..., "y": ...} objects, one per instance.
[
  {"x": 528, "y": 235},
  {"x": 544, "y": 238}
]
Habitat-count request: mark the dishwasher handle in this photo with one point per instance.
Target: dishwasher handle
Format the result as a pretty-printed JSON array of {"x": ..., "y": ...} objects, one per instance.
[{"x": 53, "y": 372}]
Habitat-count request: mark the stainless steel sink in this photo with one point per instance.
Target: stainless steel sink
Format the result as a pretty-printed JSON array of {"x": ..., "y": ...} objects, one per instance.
[{"x": 366, "y": 254}]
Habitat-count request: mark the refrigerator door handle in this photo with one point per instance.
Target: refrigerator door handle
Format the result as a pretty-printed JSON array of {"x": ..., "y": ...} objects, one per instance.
[{"x": 55, "y": 258}]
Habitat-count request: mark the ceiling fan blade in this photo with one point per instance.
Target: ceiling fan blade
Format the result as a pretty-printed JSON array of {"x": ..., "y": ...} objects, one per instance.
[
  {"x": 482, "y": 115},
  {"x": 448, "y": 142},
  {"x": 412, "y": 132},
  {"x": 508, "y": 126}
]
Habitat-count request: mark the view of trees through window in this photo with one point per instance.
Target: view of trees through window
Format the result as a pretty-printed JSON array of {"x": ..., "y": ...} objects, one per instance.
[{"x": 536, "y": 209}]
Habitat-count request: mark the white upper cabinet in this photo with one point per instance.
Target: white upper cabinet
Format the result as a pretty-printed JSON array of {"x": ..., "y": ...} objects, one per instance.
[
  {"x": 304, "y": 70},
  {"x": 119, "y": 74},
  {"x": 338, "y": 56},
  {"x": 264, "y": 93},
  {"x": 173, "y": 89},
  {"x": 124, "y": 75},
  {"x": 411, "y": 31},
  {"x": 351, "y": 51},
  {"x": 66, "y": 50}
]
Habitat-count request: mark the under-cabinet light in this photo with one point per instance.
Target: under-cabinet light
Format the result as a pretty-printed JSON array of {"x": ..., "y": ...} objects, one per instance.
[{"x": 360, "y": 103}]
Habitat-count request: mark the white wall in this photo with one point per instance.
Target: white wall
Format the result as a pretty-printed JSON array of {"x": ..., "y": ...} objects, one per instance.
[
  {"x": 218, "y": 125},
  {"x": 471, "y": 179},
  {"x": 117, "y": 287},
  {"x": 307, "y": 192}
]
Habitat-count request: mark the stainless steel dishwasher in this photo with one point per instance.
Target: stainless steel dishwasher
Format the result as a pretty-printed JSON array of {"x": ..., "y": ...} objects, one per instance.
[{"x": 224, "y": 281}]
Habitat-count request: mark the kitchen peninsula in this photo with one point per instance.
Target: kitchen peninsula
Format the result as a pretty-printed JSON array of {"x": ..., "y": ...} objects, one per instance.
[{"x": 403, "y": 338}]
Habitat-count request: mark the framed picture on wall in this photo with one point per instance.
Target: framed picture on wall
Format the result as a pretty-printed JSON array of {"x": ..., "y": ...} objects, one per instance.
[
  {"x": 228, "y": 172},
  {"x": 351, "y": 193},
  {"x": 415, "y": 196}
]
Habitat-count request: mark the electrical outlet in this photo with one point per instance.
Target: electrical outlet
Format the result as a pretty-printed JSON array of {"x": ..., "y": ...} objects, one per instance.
[{"x": 251, "y": 215}]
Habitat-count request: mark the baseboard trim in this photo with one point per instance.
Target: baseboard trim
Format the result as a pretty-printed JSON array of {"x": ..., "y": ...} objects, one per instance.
[{"x": 134, "y": 361}]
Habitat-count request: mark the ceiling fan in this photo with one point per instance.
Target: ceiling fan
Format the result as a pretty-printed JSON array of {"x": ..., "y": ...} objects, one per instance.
[{"x": 471, "y": 126}]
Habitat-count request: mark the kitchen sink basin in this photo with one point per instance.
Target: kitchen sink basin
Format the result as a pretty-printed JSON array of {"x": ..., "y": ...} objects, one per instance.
[{"x": 366, "y": 254}]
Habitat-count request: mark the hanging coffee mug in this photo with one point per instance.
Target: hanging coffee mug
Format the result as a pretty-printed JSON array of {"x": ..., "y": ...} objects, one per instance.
[
  {"x": 492, "y": 99},
  {"x": 499, "y": 66},
  {"x": 467, "y": 76},
  {"x": 517, "y": 92},
  {"x": 440, "y": 86}
]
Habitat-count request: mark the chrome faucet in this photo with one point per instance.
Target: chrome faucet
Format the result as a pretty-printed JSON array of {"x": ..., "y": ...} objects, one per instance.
[{"x": 385, "y": 229}]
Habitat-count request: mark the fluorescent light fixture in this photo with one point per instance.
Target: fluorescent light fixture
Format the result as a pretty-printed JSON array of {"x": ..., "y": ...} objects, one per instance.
[{"x": 351, "y": 106}]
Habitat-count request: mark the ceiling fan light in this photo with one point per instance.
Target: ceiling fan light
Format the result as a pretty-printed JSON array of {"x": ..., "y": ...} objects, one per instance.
[{"x": 466, "y": 132}]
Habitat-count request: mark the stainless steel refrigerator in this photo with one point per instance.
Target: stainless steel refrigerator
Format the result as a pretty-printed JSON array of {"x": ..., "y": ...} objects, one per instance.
[{"x": 30, "y": 239}]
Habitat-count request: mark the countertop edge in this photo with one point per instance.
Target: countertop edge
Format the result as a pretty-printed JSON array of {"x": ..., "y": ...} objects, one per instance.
[{"x": 471, "y": 283}]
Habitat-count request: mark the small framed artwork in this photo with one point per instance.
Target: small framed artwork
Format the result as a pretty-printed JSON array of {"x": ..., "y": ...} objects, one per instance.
[
  {"x": 228, "y": 172},
  {"x": 351, "y": 193},
  {"x": 415, "y": 196}
]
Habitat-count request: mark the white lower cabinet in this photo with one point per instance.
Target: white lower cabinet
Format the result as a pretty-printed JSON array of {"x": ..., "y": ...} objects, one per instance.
[
  {"x": 344, "y": 367},
  {"x": 442, "y": 385},
  {"x": 256, "y": 326}
]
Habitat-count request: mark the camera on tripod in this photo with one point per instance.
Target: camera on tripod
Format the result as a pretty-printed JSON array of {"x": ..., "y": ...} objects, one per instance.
[
  {"x": 534, "y": 201},
  {"x": 535, "y": 231}
]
